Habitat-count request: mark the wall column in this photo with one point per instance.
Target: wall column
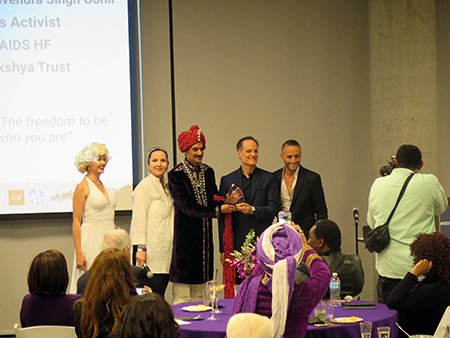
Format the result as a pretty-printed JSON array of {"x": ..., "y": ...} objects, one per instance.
[{"x": 403, "y": 96}]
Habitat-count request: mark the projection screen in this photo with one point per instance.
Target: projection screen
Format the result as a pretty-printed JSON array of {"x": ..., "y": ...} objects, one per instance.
[{"x": 66, "y": 80}]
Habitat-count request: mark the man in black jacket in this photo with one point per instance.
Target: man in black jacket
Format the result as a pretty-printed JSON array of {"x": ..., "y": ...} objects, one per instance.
[
  {"x": 300, "y": 189},
  {"x": 260, "y": 202},
  {"x": 325, "y": 239}
]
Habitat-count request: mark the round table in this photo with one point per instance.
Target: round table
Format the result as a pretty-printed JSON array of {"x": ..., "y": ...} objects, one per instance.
[{"x": 380, "y": 316}]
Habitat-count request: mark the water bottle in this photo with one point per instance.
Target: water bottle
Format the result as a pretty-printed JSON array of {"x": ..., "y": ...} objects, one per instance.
[{"x": 335, "y": 290}]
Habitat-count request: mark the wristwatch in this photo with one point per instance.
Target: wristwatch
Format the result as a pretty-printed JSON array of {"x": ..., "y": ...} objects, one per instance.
[{"x": 253, "y": 210}]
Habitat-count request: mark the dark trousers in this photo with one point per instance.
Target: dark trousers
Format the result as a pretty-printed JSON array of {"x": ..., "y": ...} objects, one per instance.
[
  {"x": 159, "y": 282},
  {"x": 385, "y": 286}
]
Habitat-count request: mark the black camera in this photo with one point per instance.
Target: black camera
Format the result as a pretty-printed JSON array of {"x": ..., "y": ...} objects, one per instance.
[{"x": 387, "y": 169}]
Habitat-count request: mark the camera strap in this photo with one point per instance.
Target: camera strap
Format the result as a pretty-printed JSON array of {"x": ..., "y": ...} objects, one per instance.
[{"x": 399, "y": 197}]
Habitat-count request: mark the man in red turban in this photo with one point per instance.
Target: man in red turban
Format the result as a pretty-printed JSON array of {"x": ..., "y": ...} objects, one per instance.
[
  {"x": 193, "y": 186},
  {"x": 188, "y": 138}
]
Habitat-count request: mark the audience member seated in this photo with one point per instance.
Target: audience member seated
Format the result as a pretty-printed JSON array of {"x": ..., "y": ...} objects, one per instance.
[
  {"x": 148, "y": 315},
  {"x": 325, "y": 239},
  {"x": 421, "y": 305},
  {"x": 48, "y": 303},
  {"x": 110, "y": 288},
  {"x": 249, "y": 325},
  {"x": 118, "y": 239},
  {"x": 271, "y": 290}
]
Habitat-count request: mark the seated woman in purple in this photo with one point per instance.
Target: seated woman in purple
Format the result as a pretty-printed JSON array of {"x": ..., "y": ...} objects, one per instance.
[
  {"x": 48, "y": 303},
  {"x": 272, "y": 291}
]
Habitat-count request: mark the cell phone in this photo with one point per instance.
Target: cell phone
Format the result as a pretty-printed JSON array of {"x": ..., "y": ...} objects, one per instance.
[
  {"x": 348, "y": 306},
  {"x": 190, "y": 318},
  {"x": 285, "y": 217},
  {"x": 141, "y": 291}
]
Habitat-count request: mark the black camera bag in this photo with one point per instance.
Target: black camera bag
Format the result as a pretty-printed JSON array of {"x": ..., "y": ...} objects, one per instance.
[{"x": 378, "y": 238}]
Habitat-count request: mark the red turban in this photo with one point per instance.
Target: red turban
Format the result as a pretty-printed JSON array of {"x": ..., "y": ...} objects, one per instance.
[{"x": 190, "y": 137}]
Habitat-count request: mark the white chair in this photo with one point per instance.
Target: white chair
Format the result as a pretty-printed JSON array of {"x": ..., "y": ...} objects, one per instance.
[
  {"x": 443, "y": 327},
  {"x": 45, "y": 331}
]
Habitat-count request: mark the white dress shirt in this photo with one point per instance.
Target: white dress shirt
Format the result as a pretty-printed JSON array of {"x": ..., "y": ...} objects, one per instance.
[{"x": 286, "y": 199}]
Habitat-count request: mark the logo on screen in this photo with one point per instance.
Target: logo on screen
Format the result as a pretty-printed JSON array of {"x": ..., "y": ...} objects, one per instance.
[
  {"x": 16, "y": 197},
  {"x": 36, "y": 196}
]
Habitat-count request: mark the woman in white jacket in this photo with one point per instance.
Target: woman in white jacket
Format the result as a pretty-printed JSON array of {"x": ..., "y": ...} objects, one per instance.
[{"x": 152, "y": 221}]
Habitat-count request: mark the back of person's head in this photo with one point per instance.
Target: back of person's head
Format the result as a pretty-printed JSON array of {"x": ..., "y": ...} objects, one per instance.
[
  {"x": 109, "y": 288},
  {"x": 249, "y": 325},
  {"x": 148, "y": 315},
  {"x": 117, "y": 238},
  {"x": 276, "y": 243},
  {"x": 48, "y": 273},
  {"x": 279, "y": 250},
  {"x": 435, "y": 248},
  {"x": 409, "y": 156},
  {"x": 329, "y": 231}
]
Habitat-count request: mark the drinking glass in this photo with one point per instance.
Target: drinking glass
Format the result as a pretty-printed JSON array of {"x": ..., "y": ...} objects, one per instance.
[
  {"x": 212, "y": 287},
  {"x": 320, "y": 311},
  {"x": 366, "y": 329},
  {"x": 206, "y": 295},
  {"x": 218, "y": 288},
  {"x": 384, "y": 332},
  {"x": 329, "y": 310}
]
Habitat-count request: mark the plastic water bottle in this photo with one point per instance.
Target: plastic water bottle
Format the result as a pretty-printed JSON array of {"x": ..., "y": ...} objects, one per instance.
[{"x": 335, "y": 290}]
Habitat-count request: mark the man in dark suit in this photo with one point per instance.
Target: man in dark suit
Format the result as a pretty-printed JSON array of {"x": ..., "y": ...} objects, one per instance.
[
  {"x": 300, "y": 189},
  {"x": 260, "y": 202}
]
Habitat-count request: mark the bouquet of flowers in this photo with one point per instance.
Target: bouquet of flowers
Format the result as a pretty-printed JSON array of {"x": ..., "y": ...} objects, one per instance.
[{"x": 245, "y": 260}]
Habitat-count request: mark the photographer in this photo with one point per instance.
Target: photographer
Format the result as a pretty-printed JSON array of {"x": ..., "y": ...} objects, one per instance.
[{"x": 423, "y": 199}]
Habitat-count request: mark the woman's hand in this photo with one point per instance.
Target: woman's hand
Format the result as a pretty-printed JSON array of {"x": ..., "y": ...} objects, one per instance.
[
  {"x": 141, "y": 258},
  {"x": 81, "y": 262},
  {"x": 422, "y": 267},
  {"x": 305, "y": 244}
]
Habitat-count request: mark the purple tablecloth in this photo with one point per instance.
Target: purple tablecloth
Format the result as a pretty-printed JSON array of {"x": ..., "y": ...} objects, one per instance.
[{"x": 380, "y": 316}]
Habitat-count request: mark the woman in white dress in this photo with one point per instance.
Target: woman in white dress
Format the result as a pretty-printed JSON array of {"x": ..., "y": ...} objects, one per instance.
[
  {"x": 93, "y": 209},
  {"x": 152, "y": 221}
]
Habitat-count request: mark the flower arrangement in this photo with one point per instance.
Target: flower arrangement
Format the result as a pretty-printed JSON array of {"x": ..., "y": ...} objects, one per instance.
[{"x": 245, "y": 260}]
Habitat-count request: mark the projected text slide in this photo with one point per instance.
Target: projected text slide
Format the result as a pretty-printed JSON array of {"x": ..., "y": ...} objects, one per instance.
[{"x": 65, "y": 82}]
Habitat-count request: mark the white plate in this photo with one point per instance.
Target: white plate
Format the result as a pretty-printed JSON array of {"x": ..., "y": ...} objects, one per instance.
[
  {"x": 196, "y": 308},
  {"x": 346, "y": 320}
]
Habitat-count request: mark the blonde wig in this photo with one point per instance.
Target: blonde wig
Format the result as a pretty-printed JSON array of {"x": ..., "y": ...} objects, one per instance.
[{"x": 90, "y": 154}]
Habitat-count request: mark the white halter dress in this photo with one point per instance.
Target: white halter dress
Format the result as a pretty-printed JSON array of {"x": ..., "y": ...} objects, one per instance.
[{"x": 98, "y": 219}]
